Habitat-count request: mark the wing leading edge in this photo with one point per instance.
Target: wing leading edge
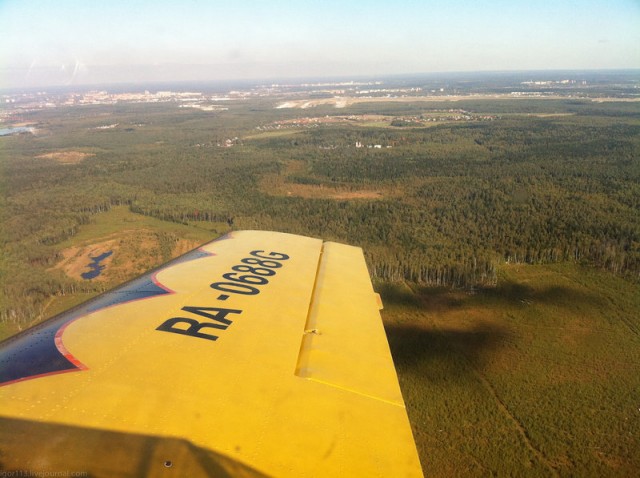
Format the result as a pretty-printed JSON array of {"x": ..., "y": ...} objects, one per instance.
[{"x": 258, "y": 354}]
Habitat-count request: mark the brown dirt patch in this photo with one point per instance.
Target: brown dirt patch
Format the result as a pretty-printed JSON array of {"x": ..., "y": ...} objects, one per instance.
[
  {"x": 308, "y": 191},
  {"x": 66, "y": 157},
  {"x": 134, "y": 252},
  {"x": 357, "y": 195},
  {"x": 76, "y": 259},
  {"x": 277, "y": 185},
  {"x": 183, "y": 246}
]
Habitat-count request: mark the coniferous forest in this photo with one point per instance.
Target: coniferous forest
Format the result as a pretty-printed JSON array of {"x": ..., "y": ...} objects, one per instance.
[{"x": 438, "y": 204}]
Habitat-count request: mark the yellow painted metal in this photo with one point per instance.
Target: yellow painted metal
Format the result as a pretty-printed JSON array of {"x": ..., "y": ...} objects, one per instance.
[
  {"x": 300, "y": 383},
  {"x": 345, "y": 344}
]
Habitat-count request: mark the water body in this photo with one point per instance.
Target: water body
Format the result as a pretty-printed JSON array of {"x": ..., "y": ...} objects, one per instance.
[
  {"x": 16, "y": 130},
  {"x": 95, "y": 266}
]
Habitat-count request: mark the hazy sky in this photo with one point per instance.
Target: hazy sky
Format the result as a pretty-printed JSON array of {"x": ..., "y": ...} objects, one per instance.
[{"x": 87, "y": 41}]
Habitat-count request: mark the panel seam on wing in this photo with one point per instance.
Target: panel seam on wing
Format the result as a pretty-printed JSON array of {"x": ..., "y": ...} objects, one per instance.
[{"x": 308, "y": 326}]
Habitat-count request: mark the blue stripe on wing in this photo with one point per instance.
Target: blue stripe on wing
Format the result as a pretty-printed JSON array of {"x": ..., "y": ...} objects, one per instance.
[{"x": 34, "y": 352}]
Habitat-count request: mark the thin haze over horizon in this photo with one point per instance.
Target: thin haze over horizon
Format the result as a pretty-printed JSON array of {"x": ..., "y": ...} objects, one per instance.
[{"x": 68, "y": 42}]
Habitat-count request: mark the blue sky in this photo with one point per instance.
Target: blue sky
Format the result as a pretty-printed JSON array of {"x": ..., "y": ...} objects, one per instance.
[{"x": 74, "y": 42}]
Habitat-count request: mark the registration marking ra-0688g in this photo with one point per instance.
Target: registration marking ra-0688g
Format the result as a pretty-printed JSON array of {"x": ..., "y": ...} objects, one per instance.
[{"x": 246, "y": 278}]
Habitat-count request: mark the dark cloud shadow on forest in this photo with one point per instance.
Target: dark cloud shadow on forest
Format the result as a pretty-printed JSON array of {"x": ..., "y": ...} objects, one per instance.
[
  {"x": 441, "y": 352},
  {"x": 420, "y": 297},
  {"x": 561, "y": 296},
  {"x": 453, "y": 350},
  {"x": 433, "y": 299}
]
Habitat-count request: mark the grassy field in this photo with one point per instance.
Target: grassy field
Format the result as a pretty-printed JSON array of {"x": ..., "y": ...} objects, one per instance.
[
  {"x": 538, "y": 377},
  {"x": 119, "y": 219},
  {"x": 273, "y": 134}
]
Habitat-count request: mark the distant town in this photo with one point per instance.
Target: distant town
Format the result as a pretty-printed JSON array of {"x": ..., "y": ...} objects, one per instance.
[{"x": 599, "y": 86}]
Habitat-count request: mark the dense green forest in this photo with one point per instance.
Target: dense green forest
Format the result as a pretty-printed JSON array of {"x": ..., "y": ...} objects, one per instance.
[{"x": 542, "y": 181}]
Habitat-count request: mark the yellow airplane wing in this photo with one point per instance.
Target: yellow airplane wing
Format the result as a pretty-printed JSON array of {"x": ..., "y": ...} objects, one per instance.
[{"x": 258, "y": 354}]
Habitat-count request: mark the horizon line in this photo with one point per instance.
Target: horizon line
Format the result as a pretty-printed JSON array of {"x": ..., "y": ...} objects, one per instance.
[{"x": 295, "y": 80}]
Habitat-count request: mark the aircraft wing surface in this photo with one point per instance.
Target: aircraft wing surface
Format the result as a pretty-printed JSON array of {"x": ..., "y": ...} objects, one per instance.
[{"x": 258, "y": 354}]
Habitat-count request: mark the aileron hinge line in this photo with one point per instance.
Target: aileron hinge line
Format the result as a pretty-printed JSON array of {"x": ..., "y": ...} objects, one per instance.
[{"x": 310, "y": 322}]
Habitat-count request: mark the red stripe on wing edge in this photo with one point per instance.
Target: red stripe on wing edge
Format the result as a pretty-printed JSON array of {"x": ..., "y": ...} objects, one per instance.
[{"x": 58, "y": 337}]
